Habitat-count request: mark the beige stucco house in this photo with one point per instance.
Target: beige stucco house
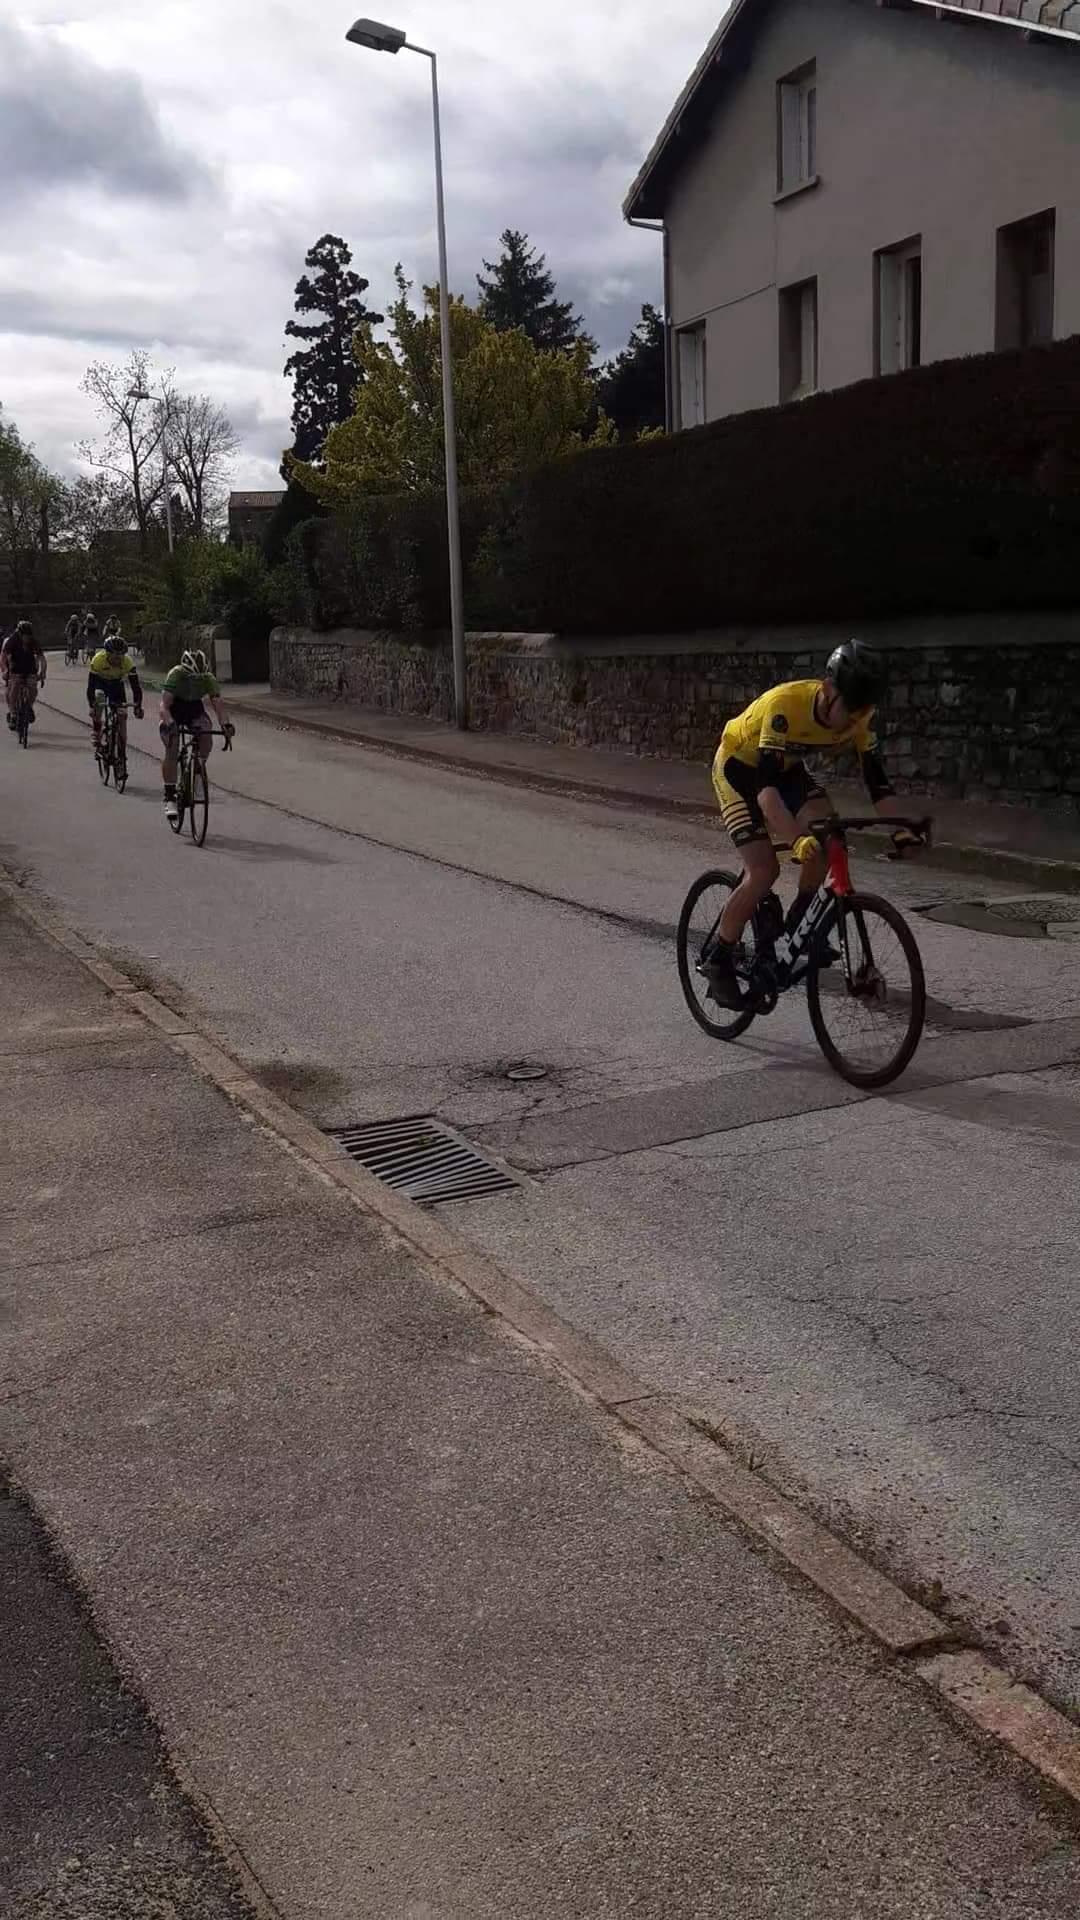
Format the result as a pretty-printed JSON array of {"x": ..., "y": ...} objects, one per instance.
[{"x": 853, "y": 187}]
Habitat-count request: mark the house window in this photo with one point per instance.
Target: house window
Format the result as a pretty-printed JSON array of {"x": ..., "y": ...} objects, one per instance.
[
  {"x": 796, "y": 154},
  {"x": 1025, "y": 282},
  {"x": 898, "y": 299},
  {"x": 798, "y": 341},
  {"x": 692, "y": 376}
]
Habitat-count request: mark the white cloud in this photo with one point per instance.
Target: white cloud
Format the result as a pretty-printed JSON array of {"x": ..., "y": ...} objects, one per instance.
[{"x": 173, "y": 161}]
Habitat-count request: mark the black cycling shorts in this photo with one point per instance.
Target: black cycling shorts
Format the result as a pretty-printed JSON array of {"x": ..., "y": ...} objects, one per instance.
[{"x": 737, "y": 784}]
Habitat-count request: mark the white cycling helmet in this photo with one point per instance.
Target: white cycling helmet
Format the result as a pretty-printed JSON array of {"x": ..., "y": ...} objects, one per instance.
[{"x": 195, "y": 661}]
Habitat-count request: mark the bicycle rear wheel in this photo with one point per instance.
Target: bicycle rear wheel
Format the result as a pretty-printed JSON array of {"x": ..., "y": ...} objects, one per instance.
[
  {"x": 199, "y": 802},
  {"x": 868, "y": 1017},
  {"x": 698, "y": 922},
  {"x": 22, "y": 723}
]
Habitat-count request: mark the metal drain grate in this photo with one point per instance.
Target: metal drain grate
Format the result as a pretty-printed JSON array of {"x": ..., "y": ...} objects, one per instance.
[{"x": 424, "y": 1159}]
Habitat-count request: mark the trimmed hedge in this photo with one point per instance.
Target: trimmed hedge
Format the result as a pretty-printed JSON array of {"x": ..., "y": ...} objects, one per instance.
[
  {"x": 955, "y": 487},
  {"x": 384, "y": 565}
]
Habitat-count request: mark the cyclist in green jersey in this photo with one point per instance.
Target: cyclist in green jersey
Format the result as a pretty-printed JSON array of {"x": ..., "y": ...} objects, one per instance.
[{"x": 184, "y": 695}]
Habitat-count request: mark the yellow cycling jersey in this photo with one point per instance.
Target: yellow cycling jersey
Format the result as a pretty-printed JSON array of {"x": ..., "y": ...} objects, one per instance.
[
  {"x": 106, "y": 666},
  {"x": 782, "y": 721}
]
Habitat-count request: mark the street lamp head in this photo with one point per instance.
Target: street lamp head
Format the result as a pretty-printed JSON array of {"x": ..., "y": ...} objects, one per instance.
[{"x": 372, "y": 33}]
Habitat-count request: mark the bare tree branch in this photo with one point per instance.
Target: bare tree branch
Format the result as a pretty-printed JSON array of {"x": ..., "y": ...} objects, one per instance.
[
  {"x": 131, "y": 447},
  {"x": 201, "y": 442}
]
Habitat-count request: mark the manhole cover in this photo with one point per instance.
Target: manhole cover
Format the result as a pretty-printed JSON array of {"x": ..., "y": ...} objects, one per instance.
[
  {"x": 1023, "y": 917},
  {"x": 424, "y": 1159},
  {"x": 523, "y": 1071}
]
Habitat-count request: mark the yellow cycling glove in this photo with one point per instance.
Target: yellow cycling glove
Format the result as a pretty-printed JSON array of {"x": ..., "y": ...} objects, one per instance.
[
  {"x": 805, "y": 848},
  {"x": 904, "y": 841}
]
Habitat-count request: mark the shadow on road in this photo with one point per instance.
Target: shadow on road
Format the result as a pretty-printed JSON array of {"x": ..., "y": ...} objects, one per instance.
[{"x": 275, "y": 850}]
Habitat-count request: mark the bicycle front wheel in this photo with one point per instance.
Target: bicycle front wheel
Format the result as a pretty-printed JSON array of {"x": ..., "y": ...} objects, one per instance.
[
  {"x": 698, "y": 922},
  {"x": 199, "y": 818},
  {"x": 177, "y": 825},
  {"x": 868, "y": 1015}
]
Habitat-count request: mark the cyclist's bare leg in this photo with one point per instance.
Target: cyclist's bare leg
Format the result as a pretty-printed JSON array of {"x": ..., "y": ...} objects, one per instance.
[
  {"x": 172, "y": 756},
  {"x": 760, "y": 871},
  {"x": 812, "y": 872}
]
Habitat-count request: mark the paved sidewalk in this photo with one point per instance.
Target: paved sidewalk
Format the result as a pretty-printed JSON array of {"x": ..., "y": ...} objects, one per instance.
[
  {"x": 1036, "y": 848},
  {"x": 433, "y": 1637}
]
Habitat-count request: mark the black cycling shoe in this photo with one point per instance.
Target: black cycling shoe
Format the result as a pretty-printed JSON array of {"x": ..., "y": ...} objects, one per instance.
[{"x": 719, "y": 971}]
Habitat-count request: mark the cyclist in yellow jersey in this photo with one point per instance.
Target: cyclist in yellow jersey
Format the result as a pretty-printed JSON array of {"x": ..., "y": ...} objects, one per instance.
[
  {"x": 766, "y": 793},
  {"x": 109, "y": 668}
]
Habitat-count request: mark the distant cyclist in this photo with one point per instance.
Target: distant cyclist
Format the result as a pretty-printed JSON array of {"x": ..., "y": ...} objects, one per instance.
[
  {"x": 72, "y": 637},
  {"x": 23, "y": 666},
  {"x": 109, "y": 668},
  {"x": 184, "y": 695},
  {"x": 90, "y": 637}
]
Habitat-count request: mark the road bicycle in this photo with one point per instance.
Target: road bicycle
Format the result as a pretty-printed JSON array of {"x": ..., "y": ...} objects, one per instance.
[
  {"x": 865, "y": 986},
  {"x": 71, "y": 652},
  {"x": 192, "y": 786},
  {"x": 111, "y": 749}
]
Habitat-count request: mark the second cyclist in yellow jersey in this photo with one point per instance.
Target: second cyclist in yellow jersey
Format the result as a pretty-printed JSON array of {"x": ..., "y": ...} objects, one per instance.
[{"x": 109, "y": 669}]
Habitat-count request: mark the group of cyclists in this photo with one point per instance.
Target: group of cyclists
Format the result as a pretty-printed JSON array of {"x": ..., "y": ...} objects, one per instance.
[
  {"x": 764, "y": 791},
  {"x": 188, "y": 689},
  {"x": 81, "y": 636}
]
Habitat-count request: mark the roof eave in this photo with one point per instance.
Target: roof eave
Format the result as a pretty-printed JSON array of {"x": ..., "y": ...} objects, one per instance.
[
  {"x": 639, "y": 206},
  {"x": 635, "y": 206}
]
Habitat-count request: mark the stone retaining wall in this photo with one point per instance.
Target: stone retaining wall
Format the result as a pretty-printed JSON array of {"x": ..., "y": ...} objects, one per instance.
[{"x": 996, "y": 717}]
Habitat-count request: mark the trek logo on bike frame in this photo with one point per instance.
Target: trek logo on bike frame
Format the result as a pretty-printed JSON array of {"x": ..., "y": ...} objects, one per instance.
[{"x": 790, "y": 947}]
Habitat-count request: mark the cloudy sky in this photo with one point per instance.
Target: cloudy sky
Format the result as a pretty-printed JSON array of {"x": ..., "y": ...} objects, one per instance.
[{"x": 167, "y": 163}]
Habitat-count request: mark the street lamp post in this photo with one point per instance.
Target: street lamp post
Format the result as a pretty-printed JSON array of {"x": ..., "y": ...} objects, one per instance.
[
  {"x": 141, "y": 393},
  {"x": 383, "y": 39}
]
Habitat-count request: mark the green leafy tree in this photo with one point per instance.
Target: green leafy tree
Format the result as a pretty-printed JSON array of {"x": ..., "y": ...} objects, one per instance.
[
  {"x": 28, "y": 495},
  {"x": 325, "y": 372},
  {"x": 521, "y": 293},
  {"x": 516, "y": 406},
  {"x": 90, "y": 509},
  {"x": 631, "y": 387}
]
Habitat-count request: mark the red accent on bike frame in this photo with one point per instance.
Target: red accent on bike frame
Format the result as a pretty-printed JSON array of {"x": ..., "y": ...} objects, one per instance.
[{"x": 839, "y": 871}]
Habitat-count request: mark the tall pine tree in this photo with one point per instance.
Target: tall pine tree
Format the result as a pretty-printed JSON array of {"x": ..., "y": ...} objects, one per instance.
[
  {"x": 324, "y": 373},
  {"x": 631, "y": 387},
  {"x": 521, "y": 293}
]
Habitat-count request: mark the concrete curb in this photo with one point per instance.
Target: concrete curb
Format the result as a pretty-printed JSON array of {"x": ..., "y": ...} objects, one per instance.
[
  {"x": 999, "y": 863},
  {"x": 964, "y": 1680}
]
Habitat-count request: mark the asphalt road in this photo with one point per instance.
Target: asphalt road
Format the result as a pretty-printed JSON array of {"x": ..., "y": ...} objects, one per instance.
[{"x": 873, "y": 1298}]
